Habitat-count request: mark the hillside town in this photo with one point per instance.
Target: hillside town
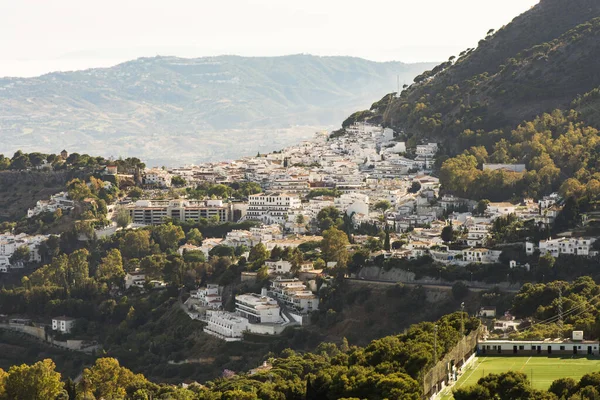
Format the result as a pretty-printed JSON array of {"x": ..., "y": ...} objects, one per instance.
[{"x": 383, "y": 191}]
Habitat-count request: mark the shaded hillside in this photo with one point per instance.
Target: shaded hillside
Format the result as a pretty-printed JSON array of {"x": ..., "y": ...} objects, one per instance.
[
  {"x": 541, "y": 61},
  {"x": 195, "y": 108}
]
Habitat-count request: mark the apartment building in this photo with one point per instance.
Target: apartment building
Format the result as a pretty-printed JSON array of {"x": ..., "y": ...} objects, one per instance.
[
  {"x": 272, "y": 208},
  {"x": 556, "y": 247},
  {"x": 258, "y": 309},
  {"x": 226, "y": 326},
  {"x": 154, "y": 212},
  {"x": 295, "y": 295}
]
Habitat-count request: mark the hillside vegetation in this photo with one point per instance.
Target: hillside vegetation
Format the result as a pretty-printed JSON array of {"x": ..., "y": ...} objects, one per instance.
[
  {"x": 528, "y": 94},
  {"x": 189, "y": 109}
]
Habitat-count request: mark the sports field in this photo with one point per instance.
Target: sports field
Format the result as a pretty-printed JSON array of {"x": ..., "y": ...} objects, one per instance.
[{"x": 541, "y": 371}]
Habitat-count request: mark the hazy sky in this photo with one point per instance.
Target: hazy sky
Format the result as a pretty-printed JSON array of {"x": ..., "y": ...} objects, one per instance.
[{"x": 39, "y": 36}]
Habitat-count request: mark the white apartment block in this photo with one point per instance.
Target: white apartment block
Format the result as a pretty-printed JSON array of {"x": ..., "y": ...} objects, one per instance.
[
  {"x": 556, "y": 247},
  {"x": 272, "y": 208},
  {"x": 295, "y": 295},
  {"x": 226, "y": 326},
  {"x": 154, "y": 212},
  {"x": 57, "y": 201},
  {"x": 258, "y": 309},
  {"x": 63, "y": 324},
  {"x": 157, "y": 177}
]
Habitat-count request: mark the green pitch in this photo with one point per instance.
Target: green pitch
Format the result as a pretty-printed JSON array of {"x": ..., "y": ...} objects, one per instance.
[{"x": 541, "y": 371}]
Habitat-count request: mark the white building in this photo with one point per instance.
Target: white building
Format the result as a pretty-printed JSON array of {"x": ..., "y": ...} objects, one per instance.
[
  {"x": 478, "y": 233},
  {"x": 295, "y": 295},
  {"x": 501, "y": 208},
  {"x": 481, "y": 255},
  {"x": 9, "y": 243},
  {"x": 226, "y": 326},
  {"x": 63, "y": 324},
  {"x": 279, "y": 267},
  {"x": 157, "y": 177},
  {"x": 272, "y": 208},
  {"x": 57, "y": 201},
  {"x": 154, "y": 212},
  {"x": 209, "y": 296},
  {"x": 353, "y": 202},
  {"x": 258, "y": 309},
  {"x": 427, "y": 150},
  {"x": 556, "y": 247},
  {"x": 136, "y": 278}
]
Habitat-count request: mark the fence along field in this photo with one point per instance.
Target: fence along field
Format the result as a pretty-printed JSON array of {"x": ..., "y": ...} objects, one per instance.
[{"x": 541, "y": 371}]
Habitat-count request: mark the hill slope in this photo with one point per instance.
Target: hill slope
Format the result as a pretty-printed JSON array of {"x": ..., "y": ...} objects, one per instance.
[
  {"x": 167, "y": 104},
  {"x": 541, "y": 61},
  {"x": 528, "y": 94}
]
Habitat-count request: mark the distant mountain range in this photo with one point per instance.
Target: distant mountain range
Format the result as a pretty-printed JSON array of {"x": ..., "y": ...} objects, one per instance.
[{"x": 174, "y": 110}]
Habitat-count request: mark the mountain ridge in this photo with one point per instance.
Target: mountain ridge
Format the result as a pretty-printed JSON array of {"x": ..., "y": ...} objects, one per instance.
[{"x": 196, "y": 102}]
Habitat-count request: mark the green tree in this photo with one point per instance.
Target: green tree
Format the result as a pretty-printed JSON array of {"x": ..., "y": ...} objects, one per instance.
[
  {"x": 39, "y": 381},
  {"x": 122, "y": 217},
  {"x": 328, "y": 217},
  {"x": 334, "y": 247},
  {"x": 194, "y": 237},
  {"x": 135, "y": 193},
  {"x": 78, "y": 190},
  {"x": 258, "y": 253},
  {"x": 414, "y": 187},
  {"x": 382, "y": 206},
  {"x": 111, "y": 269},
  {"x": 482, "y": 206},
  {"x": 78, "y": 268},
  {"x": 168, "y": 236},
  {"x": 177, "y": 181},
  {"x": 135, "y": 244},
  {"x": 21, "y": 254},
  {"x": 447, "y": 233},
  {"x": 153, "y": 265},
  {"x": 106, "y": 379}
]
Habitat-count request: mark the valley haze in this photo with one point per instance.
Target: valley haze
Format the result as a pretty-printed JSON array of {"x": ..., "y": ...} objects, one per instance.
[{"x": 171, "y": 110}]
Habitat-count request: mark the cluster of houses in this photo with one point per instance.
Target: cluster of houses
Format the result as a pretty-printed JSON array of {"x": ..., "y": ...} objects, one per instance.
[
  {"x": 365, "y": 166},
  {"x": 9, "y": 243},
  {"x": 287, "y": 302},
  {"x": 268, "y": 313},
  {"x": 57, "y": 201}
]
